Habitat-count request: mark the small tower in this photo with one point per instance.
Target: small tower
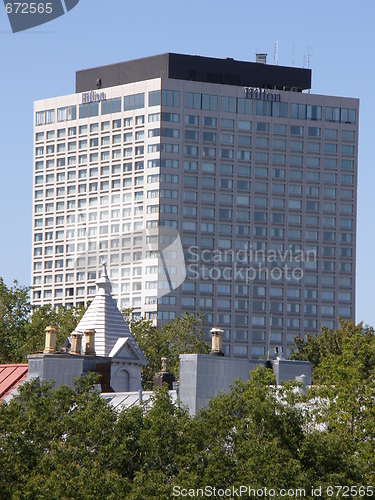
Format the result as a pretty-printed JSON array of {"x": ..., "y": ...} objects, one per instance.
[{"x": 104, "y": 317}]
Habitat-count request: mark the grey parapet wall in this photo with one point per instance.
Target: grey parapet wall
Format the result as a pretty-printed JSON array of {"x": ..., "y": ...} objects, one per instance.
[
  {"x": 63, "y": 369},
  {"x": 203, "y": 377}
]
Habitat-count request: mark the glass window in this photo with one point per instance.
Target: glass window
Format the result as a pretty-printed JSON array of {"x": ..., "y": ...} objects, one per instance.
[
  {"x": 313, "y": 131},
  {"x": 111, "y": 106},
  {"x": 296, "y": 130},
  {"x": 313, "y": 112},
  {"x": 227, "y": 123},
  {"x": 263, "y": 108},
  {"x": 228, "y": 104},
  {"x": 208, "y": 121},
  {"x": 244, "y": 125},
  {"x": 280, "y": 109},
  {"x": 348, "y": 134},
  {"x": 209, "y": 137},
  {"x": 298, "y": 111},
  {"x": 347, "y": 115},
  {"x": 192, "y": 100},
  {"x": 262, "y": 127},
  {"x": 170, "y": 98},
  {"x": 278, "y": 128},
  {"x": 262, "y": 142},
  {"x": 154, "y": 98},
  {"x": 191, "y": 135},
  {"x": 244, "y": 106},
  {"x": 134, "y": 101},
  {"x": 209, "y": 102}
]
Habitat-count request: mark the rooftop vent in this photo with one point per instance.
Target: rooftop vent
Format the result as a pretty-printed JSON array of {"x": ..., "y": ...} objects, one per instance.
[{"x": 261, "y": 58}]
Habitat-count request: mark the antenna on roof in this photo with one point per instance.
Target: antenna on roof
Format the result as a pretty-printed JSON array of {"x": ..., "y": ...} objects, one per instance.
[
  {"x": 276, "y": 54},
  {"x": 293, "y": 56},
  {"x": 309, "y": 55}
]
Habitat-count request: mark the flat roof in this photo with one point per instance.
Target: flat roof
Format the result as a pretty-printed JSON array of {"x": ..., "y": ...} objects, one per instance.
[{"x": 195, "y": 68}]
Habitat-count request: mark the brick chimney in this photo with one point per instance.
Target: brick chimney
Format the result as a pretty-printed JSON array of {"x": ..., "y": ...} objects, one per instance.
[{"x": 164, "y": 377}]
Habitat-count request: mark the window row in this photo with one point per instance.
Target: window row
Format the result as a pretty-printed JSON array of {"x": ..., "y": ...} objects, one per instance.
[{"x": 199, "y": 101}]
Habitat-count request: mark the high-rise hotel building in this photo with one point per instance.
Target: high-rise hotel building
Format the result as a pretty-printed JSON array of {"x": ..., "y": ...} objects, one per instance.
[{"x": 256, "y": 175}]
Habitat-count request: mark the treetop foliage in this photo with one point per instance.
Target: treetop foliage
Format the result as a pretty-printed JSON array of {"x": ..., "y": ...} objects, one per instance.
[
  {"x": 350, "y": 344},
  {"x": 22, "y": 331},
  {"x": 180, "y": 336}
]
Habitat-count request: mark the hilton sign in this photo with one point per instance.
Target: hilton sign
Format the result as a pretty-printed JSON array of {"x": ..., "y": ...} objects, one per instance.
[
  {"x": 261, "y": 94},
  {"x": 93, "y": 97}
]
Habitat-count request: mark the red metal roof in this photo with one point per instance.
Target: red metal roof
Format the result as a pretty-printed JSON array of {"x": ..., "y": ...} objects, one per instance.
[{"x": 10, "y": 377}]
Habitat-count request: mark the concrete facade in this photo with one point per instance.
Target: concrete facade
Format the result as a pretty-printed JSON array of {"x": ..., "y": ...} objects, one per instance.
[
  {"x": 64, "y": 368},
  {"x": 117, "y": 375},
  {"x": 203, "y": 377}
]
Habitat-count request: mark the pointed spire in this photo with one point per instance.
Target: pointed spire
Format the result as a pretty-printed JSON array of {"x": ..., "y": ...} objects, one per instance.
[
  {"x": 104, "y": 317},
  {"x": 104, "y": 283}
]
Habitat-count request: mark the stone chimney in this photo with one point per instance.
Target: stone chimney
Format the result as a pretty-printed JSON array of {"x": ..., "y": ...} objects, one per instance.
[
  {"x": 164, "y": 365},
  {"x": 76, "y": 346},
  {"x": 217, "y": 336},
  {"x": 90, "y": 342},
  {"x": 50, "y": 345},
  {"x": 164, "y": 377}
]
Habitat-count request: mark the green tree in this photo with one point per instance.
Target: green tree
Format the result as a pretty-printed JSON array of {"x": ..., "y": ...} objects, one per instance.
[
  {"x": 54, "y": 444},
  {"x": 153, "y": 345},
  {"x": 251, "y": 436},
  {"x": 64, "y": 319},
  {"x": 329, "y": 344},
  {"x": 339, "y": 446},
  {"x": 180, "y": 336},
  {"x": 162, "y": 440},
  {"x": 14, "y": 314},
  {"x": 22, "y": 331},
  {"x": 345, "y": 388},
  {"x": 184, "y": 335}
]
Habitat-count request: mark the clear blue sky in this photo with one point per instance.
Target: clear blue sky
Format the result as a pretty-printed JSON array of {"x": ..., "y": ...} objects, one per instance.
[{"x": 41, "y": 63}]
